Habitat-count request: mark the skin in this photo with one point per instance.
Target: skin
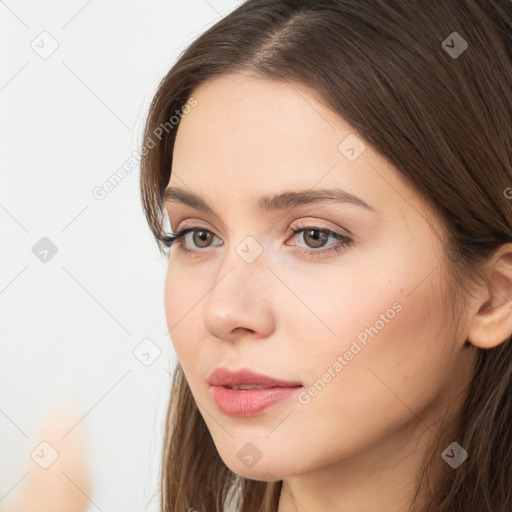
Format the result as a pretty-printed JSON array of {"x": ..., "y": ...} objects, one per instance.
[{"x": 358, "y": 445}]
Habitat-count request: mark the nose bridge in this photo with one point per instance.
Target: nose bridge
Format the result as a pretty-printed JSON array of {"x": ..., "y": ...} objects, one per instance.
[
  {"x": 239, "y": 296},
  {"x": 244, "y": 265}
]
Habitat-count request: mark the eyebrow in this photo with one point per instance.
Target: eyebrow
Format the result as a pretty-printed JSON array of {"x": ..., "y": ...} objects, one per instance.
[{"x": 282, "y": 201}]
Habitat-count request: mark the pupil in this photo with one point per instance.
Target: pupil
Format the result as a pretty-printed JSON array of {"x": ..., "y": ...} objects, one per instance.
[
  {"x": 316, "y": 238},
  {"x": 203, "y": 236}
]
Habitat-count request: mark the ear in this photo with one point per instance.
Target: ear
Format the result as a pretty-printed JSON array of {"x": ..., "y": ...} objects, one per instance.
[{"x": 491, "y": 325}]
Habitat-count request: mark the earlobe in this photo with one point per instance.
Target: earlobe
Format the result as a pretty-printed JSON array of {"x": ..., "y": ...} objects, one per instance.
[{"x": 492, "y": 323}]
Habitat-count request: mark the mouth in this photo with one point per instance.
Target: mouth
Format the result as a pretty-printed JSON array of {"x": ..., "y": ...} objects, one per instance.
[
  {"x": 244, "y": 392},
  {"x": 246, "y": 379}
]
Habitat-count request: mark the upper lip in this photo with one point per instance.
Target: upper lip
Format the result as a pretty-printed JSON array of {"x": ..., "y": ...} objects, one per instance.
[{"x": 244, "y": 376}]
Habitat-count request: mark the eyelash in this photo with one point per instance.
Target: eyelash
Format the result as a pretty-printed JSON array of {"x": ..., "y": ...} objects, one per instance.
[{"x": 169, "y": 240}]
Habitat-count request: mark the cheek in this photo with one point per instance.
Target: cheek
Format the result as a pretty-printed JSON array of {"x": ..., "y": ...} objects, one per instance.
[
  {"x": 387, "y": 363},
  {"x": 179, "y": 300},
  {"x": 381, "y": 305}
]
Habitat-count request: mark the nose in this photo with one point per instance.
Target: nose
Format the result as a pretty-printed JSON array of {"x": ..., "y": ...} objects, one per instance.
[{"x": 240, "y": 302}]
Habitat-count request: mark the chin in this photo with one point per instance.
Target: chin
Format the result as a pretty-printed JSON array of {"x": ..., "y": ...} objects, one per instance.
[{"x": 264, "y": 470}]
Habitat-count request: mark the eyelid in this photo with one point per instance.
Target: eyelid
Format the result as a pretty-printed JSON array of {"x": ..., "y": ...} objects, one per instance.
[
  {"x": 191, "y": 224},
  {"x": 303, "y": 224},
  {"x": 311, "y": 225}
]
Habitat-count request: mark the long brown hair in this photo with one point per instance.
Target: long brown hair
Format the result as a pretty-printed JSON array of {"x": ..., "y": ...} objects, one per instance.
[{"x": 429, "y": 85}]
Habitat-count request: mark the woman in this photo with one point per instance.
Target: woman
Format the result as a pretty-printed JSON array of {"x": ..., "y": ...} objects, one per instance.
[{"x": 337, "y": 175}]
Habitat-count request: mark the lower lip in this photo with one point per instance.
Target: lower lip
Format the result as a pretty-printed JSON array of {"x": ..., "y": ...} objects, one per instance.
[{"x": 250, "y": 402}]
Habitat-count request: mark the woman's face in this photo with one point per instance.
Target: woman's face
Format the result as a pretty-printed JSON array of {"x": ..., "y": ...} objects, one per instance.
[{"x": 362, "y": 327}]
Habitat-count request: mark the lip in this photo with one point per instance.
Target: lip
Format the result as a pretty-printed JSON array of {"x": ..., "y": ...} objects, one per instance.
[
  {"x": 224, "y": 377},
  {"x": 245, "y": 403}
]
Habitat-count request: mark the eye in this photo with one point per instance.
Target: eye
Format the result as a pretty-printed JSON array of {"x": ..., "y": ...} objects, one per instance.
[
  {"x": 201, "y": 237},
  {"x": 314, "y": 236}
]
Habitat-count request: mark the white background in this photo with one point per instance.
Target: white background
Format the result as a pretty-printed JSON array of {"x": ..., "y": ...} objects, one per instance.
[{"x": 69, "y": 325}]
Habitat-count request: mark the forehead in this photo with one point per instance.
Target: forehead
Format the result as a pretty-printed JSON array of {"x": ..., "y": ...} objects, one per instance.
[
  {"x": 240, "y": 116},
  {"x": 250, "y": 137}
]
